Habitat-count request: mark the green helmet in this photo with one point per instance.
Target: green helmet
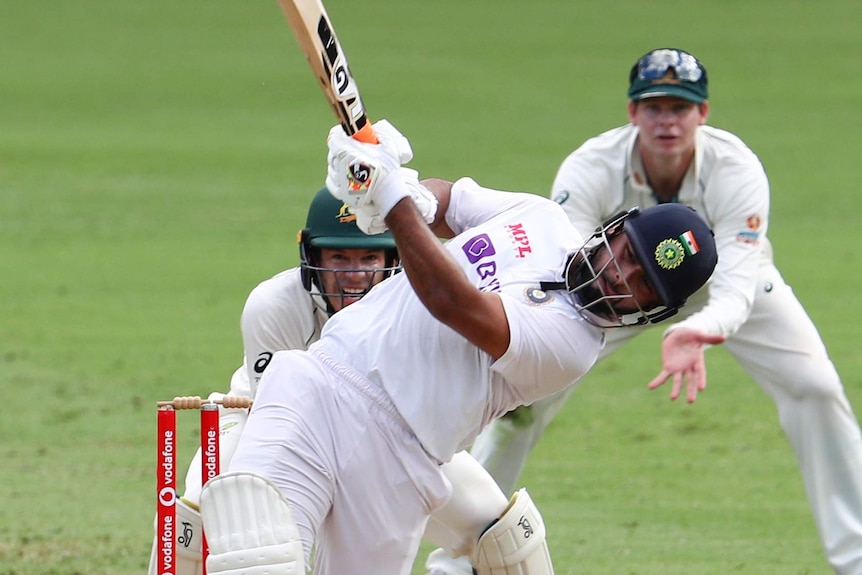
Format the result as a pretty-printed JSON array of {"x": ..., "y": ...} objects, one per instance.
[{"x": 331, "y": 225}]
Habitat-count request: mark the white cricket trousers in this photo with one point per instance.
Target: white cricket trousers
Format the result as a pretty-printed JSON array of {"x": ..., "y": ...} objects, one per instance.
[
  {"x": 781, "y": 349},
  {"x": 359, "y": 482}
]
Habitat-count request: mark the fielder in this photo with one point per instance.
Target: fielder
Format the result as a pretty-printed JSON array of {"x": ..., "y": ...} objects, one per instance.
[
  {"x": 667, "y": 154},
  {"x": 343, "y": 448}
]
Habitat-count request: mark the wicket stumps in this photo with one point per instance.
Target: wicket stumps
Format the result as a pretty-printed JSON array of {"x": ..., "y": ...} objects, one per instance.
[{"x": 166, "y": 469}]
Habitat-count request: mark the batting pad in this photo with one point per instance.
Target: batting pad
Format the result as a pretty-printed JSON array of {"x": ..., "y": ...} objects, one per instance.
[
  {"x": 515, "y": 544},
  {"x": 249, "y": 527}
]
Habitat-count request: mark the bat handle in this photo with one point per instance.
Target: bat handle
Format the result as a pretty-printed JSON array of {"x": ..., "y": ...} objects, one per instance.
[{"x": 366, "y": 134}]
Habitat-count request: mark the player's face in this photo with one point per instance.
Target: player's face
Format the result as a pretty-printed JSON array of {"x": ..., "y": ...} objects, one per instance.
[
  {"x": 667, "y": 125},
  {"x": 353, "y": 273},
  {"x": 624, "y": 277}
]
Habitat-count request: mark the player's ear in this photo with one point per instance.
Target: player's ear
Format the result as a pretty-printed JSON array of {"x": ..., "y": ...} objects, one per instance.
[
  {"x": 704, "y": 111},
  {"x": 633, "y": 106}
]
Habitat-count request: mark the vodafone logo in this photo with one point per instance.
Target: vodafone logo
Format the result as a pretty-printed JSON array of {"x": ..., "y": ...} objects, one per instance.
[{"x": 167, "y": 496}]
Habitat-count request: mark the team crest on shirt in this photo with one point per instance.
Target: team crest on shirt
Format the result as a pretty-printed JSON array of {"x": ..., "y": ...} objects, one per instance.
[
  {"x": 752, "y": 234},
  {"x": 669, "y": 253},
  {"x": 753, "y": 222},
  {"x": 538, "y": 296}
]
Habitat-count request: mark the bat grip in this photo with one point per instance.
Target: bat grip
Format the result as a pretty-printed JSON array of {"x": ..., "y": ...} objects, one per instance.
[{"x": 366, "y": 134}]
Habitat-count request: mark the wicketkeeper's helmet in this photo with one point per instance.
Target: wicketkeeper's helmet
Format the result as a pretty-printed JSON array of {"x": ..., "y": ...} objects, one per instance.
[{"x": 331, "y": 225}]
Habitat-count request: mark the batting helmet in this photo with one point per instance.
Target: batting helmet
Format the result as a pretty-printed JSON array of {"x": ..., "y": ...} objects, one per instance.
[{"x": 673, "y": 245}]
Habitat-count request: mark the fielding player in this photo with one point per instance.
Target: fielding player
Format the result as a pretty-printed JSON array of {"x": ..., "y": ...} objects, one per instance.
[
  {"x": 667, "y": 154},
  {"x": 343, "y": 448}
]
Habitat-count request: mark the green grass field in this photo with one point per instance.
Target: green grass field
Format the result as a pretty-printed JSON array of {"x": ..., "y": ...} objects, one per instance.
[{"x": 156, "y": 159}]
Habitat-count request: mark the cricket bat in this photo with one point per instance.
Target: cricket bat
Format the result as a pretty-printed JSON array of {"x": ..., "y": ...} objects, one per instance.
[{"x": 316, "y": 37}]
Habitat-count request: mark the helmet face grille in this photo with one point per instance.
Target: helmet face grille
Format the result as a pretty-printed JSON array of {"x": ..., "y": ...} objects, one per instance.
[
  {"x": 582, "y": 274},
  {"x": 338, "y": 297}
]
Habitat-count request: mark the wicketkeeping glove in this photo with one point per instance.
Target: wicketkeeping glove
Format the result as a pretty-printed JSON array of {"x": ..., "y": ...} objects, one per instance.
[{"x": 355, "y": 168}]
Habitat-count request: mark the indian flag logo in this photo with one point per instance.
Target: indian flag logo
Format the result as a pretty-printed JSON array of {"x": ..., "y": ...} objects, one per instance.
[{"x": 689, "y": 243}]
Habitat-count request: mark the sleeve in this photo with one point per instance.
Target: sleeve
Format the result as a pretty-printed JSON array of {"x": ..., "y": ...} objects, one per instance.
[
  {"x": 584, "y": 189},
  {"x": 276, "y": 317},
  {"x": 736, "y": 200},
  {"x": 470, "y": 204},
  {"x": 549, "y": 350}
]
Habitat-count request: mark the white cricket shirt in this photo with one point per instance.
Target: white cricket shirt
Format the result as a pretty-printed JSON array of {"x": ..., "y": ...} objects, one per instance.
[{"x": 444, "y": 387}]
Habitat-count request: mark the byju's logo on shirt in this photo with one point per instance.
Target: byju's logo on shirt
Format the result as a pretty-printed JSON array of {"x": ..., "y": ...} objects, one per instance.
[
  {"x": 478, "y": 250},
  {"x": 479, "y": 247}
]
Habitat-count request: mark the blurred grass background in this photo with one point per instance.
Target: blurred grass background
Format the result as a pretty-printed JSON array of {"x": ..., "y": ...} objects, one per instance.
[{"x": 156, "y": 160}]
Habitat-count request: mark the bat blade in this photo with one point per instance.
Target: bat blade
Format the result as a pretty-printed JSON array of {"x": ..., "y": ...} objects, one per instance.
[{"x": 316, "y": 36}]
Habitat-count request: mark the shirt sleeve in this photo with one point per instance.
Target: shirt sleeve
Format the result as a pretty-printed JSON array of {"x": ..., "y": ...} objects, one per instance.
[
  {"x": 276, "y": 316},
  {"x": 736, "y": 200},
  {"x": 549, "y": 350},
  {"x": 585, "y": 191},
  {"x": 471, "y": 204}
]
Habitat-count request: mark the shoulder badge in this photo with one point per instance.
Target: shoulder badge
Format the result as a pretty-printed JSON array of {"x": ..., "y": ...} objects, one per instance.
[{"x": 538, "y": 296}]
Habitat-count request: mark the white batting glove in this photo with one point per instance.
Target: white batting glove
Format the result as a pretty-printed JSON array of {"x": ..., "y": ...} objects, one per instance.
[
  {"x": 369, "y": 220},
  {"x": 400, "y": 183},
  {"x": 356, "y": 168},
  {"x": 425, "y": 201},
  {"x": 404, "y": 183}
]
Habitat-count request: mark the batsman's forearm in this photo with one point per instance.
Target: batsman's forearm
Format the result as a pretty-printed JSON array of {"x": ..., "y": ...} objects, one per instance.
[
  {"x": 434, "y": 275},
  {"x": 443, "y": 287}
]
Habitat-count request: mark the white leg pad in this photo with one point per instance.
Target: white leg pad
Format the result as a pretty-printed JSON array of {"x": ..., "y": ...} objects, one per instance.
[
  {"x": 249, "y": 527},
  {"x": 515, "y": 544}
]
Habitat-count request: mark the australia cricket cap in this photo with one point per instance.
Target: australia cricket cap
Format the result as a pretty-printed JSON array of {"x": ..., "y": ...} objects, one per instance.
[
  {"x": 331, "y": 225},
  {"x": 668, "y": 72},
  {"x": 676, "y": 249}
]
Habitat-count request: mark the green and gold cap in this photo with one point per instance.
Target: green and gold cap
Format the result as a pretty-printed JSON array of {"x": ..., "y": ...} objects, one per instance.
[{"x": 668, "y": 72}]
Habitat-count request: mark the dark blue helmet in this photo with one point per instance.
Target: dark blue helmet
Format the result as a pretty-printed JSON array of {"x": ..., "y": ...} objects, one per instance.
[{"x": 674, "y": 246}]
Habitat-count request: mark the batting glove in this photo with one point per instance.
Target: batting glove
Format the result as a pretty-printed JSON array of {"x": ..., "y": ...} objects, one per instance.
[
  {"x": 355, "y": 169},
  {"x": 400, "y": 183}
]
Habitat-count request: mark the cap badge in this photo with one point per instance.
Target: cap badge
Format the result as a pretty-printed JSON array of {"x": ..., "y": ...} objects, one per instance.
[
  {"x": 669, "y": 254},
  {"x": 345, "y": 215},
  {"x": 668, "y": 78}
]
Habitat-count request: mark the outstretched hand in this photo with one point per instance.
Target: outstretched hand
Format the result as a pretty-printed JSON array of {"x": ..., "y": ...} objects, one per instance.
[{"x": 682, "y": 358}]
